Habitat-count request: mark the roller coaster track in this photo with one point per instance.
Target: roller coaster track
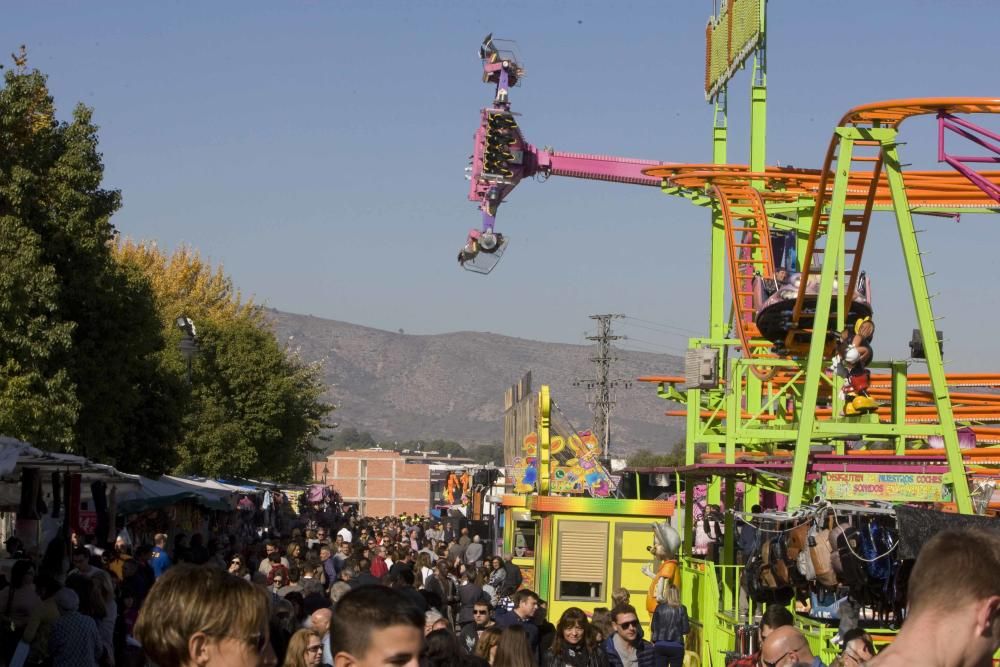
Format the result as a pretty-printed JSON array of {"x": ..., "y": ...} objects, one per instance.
[
  {"x": 865, "y": 117},
  {"x": 748, "y": 243}
]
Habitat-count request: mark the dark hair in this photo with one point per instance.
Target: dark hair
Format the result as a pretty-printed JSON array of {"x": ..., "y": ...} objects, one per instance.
[
  {"x": 520, "y": 596},
  {"x": 441, "y": 649},
  {"x": 776, "y": 616},
  {"x": 513, "y": 649},
  {"x": 369, "y": 608},
  {"x": 858, "y": 633},
  {"x": 622, "y": 609},
  {"x": 80, "y": 551},
  {"x": 19, "y": 571},
  {"x": 574, "y": 617},
  {"x": 90, "y": 602},
  {"x": 47, "y": 585}
]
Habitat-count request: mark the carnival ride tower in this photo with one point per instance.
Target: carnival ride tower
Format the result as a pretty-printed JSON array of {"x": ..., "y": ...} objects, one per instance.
[
  {"x": 774, "y": 394},
  {"x": 784, "y": 393}
]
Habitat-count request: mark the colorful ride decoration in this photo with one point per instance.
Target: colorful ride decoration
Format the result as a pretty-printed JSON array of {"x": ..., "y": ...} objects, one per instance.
[
  {"x": 501, "y": 158},
  {"x": 573, "y": 463},
  {"x": 731, "y": 38}
]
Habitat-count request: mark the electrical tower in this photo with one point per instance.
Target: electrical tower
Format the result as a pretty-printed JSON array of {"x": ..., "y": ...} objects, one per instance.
[{"x": 602, "y": 389}]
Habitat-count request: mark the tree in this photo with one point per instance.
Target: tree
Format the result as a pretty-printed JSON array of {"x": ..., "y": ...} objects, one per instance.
[
  {"x": 254, "y": 408},
  {"x": 492, "y": 453},
  {"x": 80, "y": 335},
  {"x": 186, "y": 285},
  {"x": 644, "y": 458},
  {"x": 38, "y": 401}
]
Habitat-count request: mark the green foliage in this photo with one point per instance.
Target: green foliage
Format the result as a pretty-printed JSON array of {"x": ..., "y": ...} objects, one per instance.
[
  {"x": 644, "y": 458},
  {"x": 89, "y": 361},
  {"x": 254, "y": 408},
  {"x": 351, "y": 438},
  {"x": 79, "y": 336},
  {"x": 492, "y": 453}
]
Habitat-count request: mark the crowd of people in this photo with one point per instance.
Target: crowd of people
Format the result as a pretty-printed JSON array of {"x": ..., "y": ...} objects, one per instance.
[{"x": 393, "y": 591}]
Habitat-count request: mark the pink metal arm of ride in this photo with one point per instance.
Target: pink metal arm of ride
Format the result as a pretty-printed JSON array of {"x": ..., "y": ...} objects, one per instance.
[
  {"x": 596, "y": 167},
  {"x": 501, "y": 158}
]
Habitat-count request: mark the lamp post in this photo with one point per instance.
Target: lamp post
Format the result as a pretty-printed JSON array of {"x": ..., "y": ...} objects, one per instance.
[{"x": 189, "y": 341}]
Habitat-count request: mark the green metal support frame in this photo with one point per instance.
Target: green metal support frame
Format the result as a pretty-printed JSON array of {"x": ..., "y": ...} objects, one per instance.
[{"x": 833, "y": 255}]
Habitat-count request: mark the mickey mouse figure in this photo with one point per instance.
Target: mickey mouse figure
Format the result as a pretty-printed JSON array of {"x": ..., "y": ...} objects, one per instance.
[{"x": 854, "y": 353}]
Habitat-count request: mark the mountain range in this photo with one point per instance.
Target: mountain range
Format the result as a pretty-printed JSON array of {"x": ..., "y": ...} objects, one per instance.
[{"x": 451, "y": 386}]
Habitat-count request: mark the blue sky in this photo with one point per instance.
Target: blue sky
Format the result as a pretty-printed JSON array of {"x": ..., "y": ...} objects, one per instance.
[{"x": 316, "y": 149}]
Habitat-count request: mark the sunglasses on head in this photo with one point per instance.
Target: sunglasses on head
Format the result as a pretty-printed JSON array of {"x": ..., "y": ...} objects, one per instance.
[{"x": 628, "y": 625}]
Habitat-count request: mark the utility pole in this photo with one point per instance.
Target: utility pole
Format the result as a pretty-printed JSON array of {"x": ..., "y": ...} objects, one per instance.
[{"x": 603, "y": 388}]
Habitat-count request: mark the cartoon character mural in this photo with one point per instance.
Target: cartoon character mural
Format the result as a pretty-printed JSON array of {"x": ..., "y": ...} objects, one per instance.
[
  {"x": 664, "y": 570},
  {"x": 574, "y": 466}
]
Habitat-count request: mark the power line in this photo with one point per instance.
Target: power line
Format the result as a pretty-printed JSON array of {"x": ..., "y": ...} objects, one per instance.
[
  {"x": 655, "y": 330},
  {"x": 666, "y": 326},
  {"x": 670, "y": 348},
  {"x": 602, "y": 389}
]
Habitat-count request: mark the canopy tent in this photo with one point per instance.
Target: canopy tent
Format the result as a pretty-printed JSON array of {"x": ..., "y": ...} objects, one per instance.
[
  {"x": 16, "y": 455},
  {"x": 168, "y": 490}
]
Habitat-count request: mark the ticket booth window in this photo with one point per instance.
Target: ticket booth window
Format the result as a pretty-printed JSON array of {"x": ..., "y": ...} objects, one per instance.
[
  {"x": 582, "y": 560},
  {"x": 524, "y": 538}
]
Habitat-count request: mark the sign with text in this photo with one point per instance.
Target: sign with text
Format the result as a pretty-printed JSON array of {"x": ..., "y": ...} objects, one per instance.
[{"x": 901, "y": 487}]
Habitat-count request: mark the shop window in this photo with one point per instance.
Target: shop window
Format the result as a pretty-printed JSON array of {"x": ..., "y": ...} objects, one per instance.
[
  {"x": 582, "y": 560},
  {"x": 524, "y": 538}
]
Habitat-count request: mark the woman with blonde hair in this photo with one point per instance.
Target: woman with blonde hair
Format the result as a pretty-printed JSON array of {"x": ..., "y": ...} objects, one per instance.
[
  {"x": 668, "y": 627},
  {"x": 305, "y": 649},
  {"x": 199, "y": 616}
]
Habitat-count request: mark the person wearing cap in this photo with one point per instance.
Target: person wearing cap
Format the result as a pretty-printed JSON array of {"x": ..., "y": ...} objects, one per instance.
[{"x": 74, "y": 639}]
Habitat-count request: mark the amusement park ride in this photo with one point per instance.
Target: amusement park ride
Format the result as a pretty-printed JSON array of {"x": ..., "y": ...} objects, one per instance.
[{"x": 793, "y": 405}]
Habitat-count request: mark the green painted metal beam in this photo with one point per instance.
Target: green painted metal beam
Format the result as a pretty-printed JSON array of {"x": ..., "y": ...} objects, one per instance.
[
  {"x": 814, "y": 364},
  {"x": 925, "y": 323}
]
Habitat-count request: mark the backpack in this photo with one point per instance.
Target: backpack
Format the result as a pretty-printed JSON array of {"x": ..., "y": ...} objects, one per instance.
[
  {"x": 844, "y": 544},
  {"x": 820, "y": 552},
  {"x": 754, "y": 580},
  {"x": 797, "y": 540}
]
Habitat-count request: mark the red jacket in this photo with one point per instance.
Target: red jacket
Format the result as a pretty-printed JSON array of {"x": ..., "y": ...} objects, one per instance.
[{"x": 379, "y": 568}]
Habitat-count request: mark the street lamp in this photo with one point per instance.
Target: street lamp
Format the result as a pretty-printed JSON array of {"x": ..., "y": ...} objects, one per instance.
[{"x": 189, "y": 341}]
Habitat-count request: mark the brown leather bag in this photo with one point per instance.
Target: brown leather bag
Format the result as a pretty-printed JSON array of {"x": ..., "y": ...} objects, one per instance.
[
  {"x": 797, "y": 540},
  {"x": 819, "y": 549}
]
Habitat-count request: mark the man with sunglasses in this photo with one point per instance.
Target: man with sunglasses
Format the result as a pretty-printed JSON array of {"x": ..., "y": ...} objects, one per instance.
[
  {"x": 787, "y": 647},
  {"x": 480, "y": 621},
  {"x": 626, "y": 648}
]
